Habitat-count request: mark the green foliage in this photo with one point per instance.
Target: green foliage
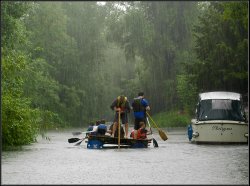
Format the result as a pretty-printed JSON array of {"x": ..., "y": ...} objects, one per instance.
[
  {"x": 187, "y": 92},
  {"x": 221, "y": 48},
  {"x": 19, "y": 124},
  {"x": 237, "y": 12},
  {"x": 171, "y": 119},
  {"x": 21, "y": 116},
  {"x": 12, "y": 31}
]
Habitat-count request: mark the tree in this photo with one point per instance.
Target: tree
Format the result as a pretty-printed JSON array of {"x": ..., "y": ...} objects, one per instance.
[
  {"x": 19, "y": 119},
  {"x": 221, "y": 47}
]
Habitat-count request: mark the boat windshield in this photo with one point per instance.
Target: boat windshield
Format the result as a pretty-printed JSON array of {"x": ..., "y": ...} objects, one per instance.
[{"x": 219, "y": 109}]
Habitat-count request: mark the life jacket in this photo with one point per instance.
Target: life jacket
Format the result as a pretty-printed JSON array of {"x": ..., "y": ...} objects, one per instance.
[
  {"x": 137, "y": 105},
  {"x": 121, "y": 103},
  {"x": 102, "y": 129},
  {"x": 132, "y": 134},
  {"x": 142, "y": 134}
]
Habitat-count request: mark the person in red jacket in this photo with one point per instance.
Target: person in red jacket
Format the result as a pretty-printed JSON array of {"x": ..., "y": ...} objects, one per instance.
[{"x": 142, "y": 132}]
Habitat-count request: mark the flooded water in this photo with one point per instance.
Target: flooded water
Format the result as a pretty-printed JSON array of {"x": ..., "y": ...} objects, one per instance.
[{"x": 175, "y": 161}]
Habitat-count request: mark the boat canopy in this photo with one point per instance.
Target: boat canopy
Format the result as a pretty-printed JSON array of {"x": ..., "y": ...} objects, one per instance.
[
  {"x": 220, "y": 106},
  {"x": 220, "y": 95}
]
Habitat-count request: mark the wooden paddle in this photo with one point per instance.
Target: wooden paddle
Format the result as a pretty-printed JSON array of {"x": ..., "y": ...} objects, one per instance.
[
  {"x": 154, "y": 141},
  {"x": 119, "y": 130},
  {"x": 161, "y": 132}
]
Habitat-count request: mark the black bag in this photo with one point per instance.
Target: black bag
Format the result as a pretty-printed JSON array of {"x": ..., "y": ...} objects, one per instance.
[{"x": 137, "y": 106}]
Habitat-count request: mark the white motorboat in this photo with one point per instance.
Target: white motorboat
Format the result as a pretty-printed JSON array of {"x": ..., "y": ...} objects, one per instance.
[{"x": 220, "y": 118}]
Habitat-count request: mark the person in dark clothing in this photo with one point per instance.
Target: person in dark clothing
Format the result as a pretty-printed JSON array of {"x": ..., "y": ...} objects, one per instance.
[
  {"x": 102, "y": 128},
  {"x": 140, "y": 106},
  {"x": 122, "y": 105}
]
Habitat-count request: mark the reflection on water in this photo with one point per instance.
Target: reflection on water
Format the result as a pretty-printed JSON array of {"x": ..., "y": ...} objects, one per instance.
[{"x": 176, "y": 161}]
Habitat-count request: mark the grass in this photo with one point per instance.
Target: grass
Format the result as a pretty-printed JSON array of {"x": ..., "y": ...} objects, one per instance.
[{"x": 171, "y": 119}]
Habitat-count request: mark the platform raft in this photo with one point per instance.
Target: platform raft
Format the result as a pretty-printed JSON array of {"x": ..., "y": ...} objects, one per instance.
[{"x": 104, "y": 141}]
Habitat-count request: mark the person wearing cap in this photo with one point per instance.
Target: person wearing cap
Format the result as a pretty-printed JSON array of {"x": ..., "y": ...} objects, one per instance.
[
  {"x": 140, "y": 105},
  {"x": 122, "y": 105}
]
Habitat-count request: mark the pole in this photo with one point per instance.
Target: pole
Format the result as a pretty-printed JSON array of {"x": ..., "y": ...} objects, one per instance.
[{"x": 119, "y": 129}]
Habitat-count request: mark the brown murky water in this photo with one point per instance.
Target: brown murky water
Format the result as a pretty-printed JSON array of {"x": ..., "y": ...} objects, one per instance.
[{"x": 176, "y": 161}]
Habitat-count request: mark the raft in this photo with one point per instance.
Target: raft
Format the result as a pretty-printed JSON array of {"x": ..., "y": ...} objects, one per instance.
[{"x": 104, "y": 141}]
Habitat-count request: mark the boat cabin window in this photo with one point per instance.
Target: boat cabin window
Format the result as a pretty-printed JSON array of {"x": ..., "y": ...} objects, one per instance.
[
  {"x": 222, "y": 104},
  {"x": 219, "y": 109}
]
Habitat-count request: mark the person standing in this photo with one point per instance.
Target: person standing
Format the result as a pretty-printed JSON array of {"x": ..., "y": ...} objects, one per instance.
[
  {"x": 122, "y": 105},
  {"x": 140, "y": 105}
]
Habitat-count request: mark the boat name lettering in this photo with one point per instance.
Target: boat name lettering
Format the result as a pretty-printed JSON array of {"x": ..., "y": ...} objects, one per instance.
[{"x": 220, "y": 128}]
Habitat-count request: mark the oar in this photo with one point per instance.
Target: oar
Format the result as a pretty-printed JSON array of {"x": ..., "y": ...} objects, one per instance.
[
  {"x": 78, "y": 133},
  {"x": 161, "y": 132},
  {"x": 154, "y": 141},
  {"x": 80, "y": 141},
  {"x": 73, "y": 140}
]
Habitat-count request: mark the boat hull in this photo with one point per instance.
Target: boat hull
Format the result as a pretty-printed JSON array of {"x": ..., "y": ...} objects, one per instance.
[
  {"x": 219, "y": 131},
  {"x": 103, "y": 141}
]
